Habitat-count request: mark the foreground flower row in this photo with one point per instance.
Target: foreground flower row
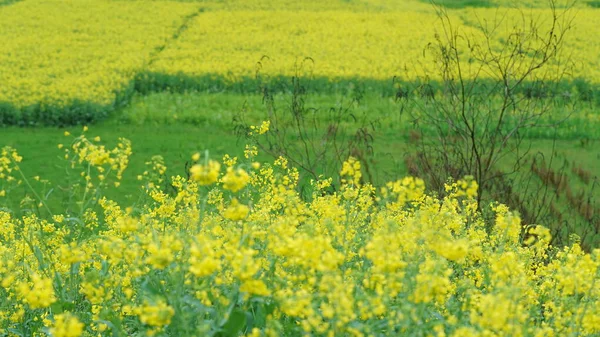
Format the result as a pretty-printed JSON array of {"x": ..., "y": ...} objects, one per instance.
[{"x": 234, "y": 250}]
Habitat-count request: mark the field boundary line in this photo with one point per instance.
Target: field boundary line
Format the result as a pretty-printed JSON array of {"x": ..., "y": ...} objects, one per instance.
[{"x": 180, "y": 30}]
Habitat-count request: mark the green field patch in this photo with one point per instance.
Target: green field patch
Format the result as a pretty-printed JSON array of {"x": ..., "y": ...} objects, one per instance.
[
  {"x": 456, "y": 4},
  {"x": 176, "y": 143},
  {"x": 214, "y": 99},
  {"x": 395, "y": 86},
  {"x": 573, "y": 105},
  {"x": 155, "y": 82},
  {"x": 594, "y": 4},
  {"x": 7, "y": 2}
]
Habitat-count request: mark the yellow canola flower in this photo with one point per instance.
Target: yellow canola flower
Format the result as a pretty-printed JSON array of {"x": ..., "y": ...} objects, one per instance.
[
  {"x": 157, "y": 315},
  {"x": 261, "y": 129},
  {"x": 235, "y": 179},
  {"x": 351, "y": 170},
  {"x": 334, "y": 263},
  {"x": 255, "y": 287},
  {"x": 205, "y": 174},
  {"x": 498, "y": 314},
  {"x": 236, "y": 211},
  {"x": 264, "y": 127},
  {"x": 66, "y": 325},
  {"x": 95, "y": 293},
  {"x": 71, "y": 253},
  {"x": 580, "y": 51},
  {"x": 162, "y": 254},
  {"x": 404, "y": 190},
  {"x": 455, "y": 250},
  {"x": 203, "y": 258},
  {"x": 38, "y": 294},
  {"x": 229, "y": 161},
  {"x": 93, "y": 60},
  {"x": 380, "y": 41},
  {"x": 433, "y": 282}
]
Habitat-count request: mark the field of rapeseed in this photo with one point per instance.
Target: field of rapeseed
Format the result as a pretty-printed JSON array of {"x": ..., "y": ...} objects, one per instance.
[
  {"x": 232, "y": 249},
  {"x": 72, "y": 62},
  {"x": 66, "y": 62},
  {"x": 104, "y": 236}
]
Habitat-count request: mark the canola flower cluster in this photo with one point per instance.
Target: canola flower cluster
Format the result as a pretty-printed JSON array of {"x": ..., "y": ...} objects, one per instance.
[{"x": 235, "y": 250}]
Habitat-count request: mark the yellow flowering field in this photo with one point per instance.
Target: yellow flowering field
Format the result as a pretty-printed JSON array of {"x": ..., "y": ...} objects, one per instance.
[
  {"x": 340, "y": 44},
  {"x": 581, "y": 49},
  {"x": 240, "y": 246},
  {"x": 58, "y": 53},
  {"x": 378, "y": 41},
  {"x": 67, "y": 61},
  {"x": 231, "y": 249}
]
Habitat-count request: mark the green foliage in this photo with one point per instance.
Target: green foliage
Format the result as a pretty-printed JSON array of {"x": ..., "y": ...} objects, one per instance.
[
  {"x": 593, "y": 4},
  {"x": 8, "y": 2},
  {"x": 456, "y": 4},
  {"x": 79, "y": 113}
]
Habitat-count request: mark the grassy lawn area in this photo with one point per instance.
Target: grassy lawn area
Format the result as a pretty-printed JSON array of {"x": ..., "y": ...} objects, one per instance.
[
  {"x": 176, "y": 143},
  {"x": 177, "y": 125}
]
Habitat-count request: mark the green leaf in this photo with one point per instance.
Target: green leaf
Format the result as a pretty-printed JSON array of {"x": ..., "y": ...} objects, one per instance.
[
  {"x": 57, "y": 307},
  {"x": 235, "y": 324},
  {"x": 40, "y": 257}
]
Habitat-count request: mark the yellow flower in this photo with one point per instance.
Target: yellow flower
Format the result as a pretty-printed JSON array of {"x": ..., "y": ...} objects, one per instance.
[
  {"x": 96, "y": 294},
  {"x": 454, "y": 250},
  {"x": 203, "y": 258},
  {"x": 235, "y": 180},
  {"x": 497, "y": 313},
  {"x": 66, "y": 325},
  {"x": 70, "y": 253},
  {"x": 95, "y": 73},
  {"x": 159, "y": 257},
  {"x": 229, "y": 161},
  {"x": 157, "y": 315},
  {"x": 351, "y": 170},
  {"x": 255, "y": 287},
  {"x": 236, "y": 211},
  {"x": 205, "y": 174},
  {"x": 38, "y": 295},
  {"x": 264, "y": 127},
  {"x": 161, "y": 254},
  {"x": 433, "y": 282},
  {"x": 250, "y": 151}
]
